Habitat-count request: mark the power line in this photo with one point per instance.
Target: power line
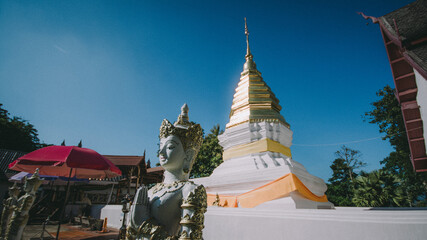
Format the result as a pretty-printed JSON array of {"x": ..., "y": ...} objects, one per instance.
[
  {"x": 343, "y": 143},
  {"x": 334, "y": 144}
]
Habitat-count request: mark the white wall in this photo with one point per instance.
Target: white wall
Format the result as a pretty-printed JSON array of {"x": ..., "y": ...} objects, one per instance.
[
  {"x": 422, "y": 100},
  {"x": 114, "y": 214},
  {"x": 349, "y": 223},
  {"x": 339, "y": 224}
]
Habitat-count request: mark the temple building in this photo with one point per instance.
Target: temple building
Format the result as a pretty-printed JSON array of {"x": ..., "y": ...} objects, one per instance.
[
  {"x": 258, "y": 169},
  {"x": 135, "y": 172},
  {"x": 404, "y": 33}
]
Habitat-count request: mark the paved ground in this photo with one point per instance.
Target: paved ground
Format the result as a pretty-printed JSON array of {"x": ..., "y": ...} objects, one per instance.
[{"x": 68, "y": 232}]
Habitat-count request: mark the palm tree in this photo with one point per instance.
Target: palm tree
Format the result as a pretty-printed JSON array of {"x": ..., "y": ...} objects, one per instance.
[{"x": 377, "y": 189}]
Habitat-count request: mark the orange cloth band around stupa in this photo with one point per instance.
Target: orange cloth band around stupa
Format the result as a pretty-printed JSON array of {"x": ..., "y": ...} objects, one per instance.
[{"x": 278, "y": 188}]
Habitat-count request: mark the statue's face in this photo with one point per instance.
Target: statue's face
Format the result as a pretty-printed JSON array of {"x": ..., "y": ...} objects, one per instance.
[
  {"x": 172, "y": 154},
  {"x": 14, "y": 192},
  {"x": 28, "y": 187}
]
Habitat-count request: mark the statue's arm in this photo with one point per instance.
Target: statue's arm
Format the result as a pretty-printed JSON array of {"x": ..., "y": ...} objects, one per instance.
[
  {"x": 20, "y": 203},
  {"x": 193, "y": 208}
]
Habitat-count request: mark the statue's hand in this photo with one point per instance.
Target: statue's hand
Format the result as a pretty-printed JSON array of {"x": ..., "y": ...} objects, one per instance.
[
  {"x": 140, "y": 210},
  {"x": 141, "y": 197}
]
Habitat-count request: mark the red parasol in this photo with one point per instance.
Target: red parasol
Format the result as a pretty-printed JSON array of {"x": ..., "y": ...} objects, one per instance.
[
  {"x": 60, "y": 160},
  {"x": 66, "y": 161}
]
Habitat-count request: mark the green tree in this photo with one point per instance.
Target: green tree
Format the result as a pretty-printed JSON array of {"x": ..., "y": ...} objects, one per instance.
[
  {"x": 387, "y": 114},
  {"x": 210, "y": 154},
  {"x": 340, "y": 191},
  {"x": 377, "y": 189},
  {"x": 17, "y": 134},
  {"x": 351, "y": 160},
  {"x": 341, "y": 188}
]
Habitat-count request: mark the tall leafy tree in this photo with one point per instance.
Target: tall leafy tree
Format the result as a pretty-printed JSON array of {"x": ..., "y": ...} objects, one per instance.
[
  {"x": 17, "y": 134},
  {"x": 341, "y": 188},
  {"x": 210, "y": 154},
  {"x": 386, "y": 113},
  {"x": 340, "y": 191}
]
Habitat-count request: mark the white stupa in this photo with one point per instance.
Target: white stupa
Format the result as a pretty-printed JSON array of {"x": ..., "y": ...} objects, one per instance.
[{"x": 258, "y": 169}]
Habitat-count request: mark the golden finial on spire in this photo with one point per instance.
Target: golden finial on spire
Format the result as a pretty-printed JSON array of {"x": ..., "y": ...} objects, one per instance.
[
  {"x": 249, "y": 64},
  {"x": 248, "y": 50}
]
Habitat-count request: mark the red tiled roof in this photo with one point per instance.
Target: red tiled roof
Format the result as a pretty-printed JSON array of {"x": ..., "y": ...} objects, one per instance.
[
  {"x": 407, "y": 29},
  {"x": 121, "y": 160},
  {"x": 6, "y": 157},
  {"x": 155, "y": 169}
]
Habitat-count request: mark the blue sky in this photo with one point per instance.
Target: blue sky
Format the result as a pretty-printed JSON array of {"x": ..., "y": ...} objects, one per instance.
[{"x": 109, "y": 72}]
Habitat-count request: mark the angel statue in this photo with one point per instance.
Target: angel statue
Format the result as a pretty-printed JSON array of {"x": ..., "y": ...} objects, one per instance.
[
  {"x": 173, "y": 209},
  {"x": 21, "y": 211},
  {"x": 8, "y": 207}
]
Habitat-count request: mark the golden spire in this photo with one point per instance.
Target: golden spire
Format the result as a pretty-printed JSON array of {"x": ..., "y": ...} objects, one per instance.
[
  {"x": 253, "y": 101},
  {"x": 248, "y": 50},
  {"x": 249, "y": 64}
]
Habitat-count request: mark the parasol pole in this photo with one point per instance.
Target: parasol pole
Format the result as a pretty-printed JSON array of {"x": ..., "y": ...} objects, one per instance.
[{"x": 65, "y": 204}]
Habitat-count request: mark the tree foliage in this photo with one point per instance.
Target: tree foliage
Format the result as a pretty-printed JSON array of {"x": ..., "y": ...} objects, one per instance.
[
  {"x": 377, "y": 189},
  {"x": 396, "y": 184},
  {"x": 17, "y": 134},
  {"x": 388, "y": 115},
  {"x": 341, "y": 188},
  {"x": 351, "y": 160},
  {"x": 210, "y": 154}
]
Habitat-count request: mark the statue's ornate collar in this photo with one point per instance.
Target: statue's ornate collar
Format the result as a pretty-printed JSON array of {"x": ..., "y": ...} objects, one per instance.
[{"x": 168, "y": 187}]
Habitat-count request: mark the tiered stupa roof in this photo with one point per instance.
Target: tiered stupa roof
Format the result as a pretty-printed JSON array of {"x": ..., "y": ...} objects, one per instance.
[{"x": 253, "y": 101}]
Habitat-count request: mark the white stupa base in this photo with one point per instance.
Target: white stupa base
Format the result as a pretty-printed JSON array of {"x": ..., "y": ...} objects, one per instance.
[
  {"x": 240, "y": 175},
  {"x": 342, "y": 223},
  {"x": 244, "y": 173},
  {"x": 250, "y": 132}
]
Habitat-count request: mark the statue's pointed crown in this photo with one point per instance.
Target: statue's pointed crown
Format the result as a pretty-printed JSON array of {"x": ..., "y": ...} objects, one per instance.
[
  {"x": 182, "y": 120},
  {"x": 190, "y": 134},
  {"x": 35, "y": 176},
  {"x": 34, "y": 180}
]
